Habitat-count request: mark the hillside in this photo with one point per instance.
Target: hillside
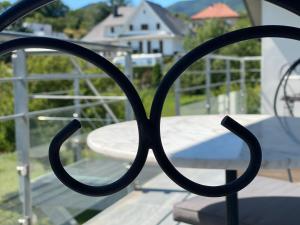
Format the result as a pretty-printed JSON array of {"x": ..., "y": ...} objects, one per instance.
[{"x": 191, "y": 7}]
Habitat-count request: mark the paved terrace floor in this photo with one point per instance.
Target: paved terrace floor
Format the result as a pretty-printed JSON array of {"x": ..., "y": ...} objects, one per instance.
[{"x": 152, "y": 203}]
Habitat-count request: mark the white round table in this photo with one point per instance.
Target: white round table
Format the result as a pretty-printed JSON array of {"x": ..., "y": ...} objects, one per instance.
[{"x": 201, "y": 142}]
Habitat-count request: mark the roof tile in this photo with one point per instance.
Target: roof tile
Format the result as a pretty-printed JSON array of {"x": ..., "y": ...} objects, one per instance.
[{"x": 217, "y": 10}]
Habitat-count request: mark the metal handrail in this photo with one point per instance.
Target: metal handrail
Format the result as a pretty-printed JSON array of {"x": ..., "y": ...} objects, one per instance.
[{"x": 149, "y": 129}]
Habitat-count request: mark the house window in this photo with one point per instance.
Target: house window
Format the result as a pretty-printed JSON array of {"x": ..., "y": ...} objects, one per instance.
[
  {"x": 112, "y": 29},
  {"x": 158, "y": 26},
  {"x": 130, "y": 27},
  {"x": 161, "y": 46},
  {"x": 144, "y": 11},
  {"x": 129, "y": 43},
  {"x": 149, "y": 46},
  {"x": 141, "y": 46},
  {"x": 144, "y": 27}
]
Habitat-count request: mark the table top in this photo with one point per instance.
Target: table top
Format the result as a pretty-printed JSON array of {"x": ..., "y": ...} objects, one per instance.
[{"x": 201, "y": 142}]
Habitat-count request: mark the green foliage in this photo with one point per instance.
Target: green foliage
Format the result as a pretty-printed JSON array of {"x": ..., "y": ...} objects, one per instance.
[
  {"x": 74, "y": 23},
  {"x": 191, "y": 7},
  {"x": 210, "y": 29},
  {"x": 54, "y": 10},
  {"x": 214, "y": 28},
  {"x": 142, "y": 76},
  {"x": 54, "y": 14},
  {"x": 156, "y": 75},
  {"x": 6, "y": 108},
  {"x": 4, "y": 5},
  {"x": 80, "y": 21},
  {"x": 253, "y": 99}
]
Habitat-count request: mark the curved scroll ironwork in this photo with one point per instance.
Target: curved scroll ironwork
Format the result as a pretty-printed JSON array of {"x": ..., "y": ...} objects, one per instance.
[
  {"x": 284, "y": 82},
  {"x": 149, "y": 129}
]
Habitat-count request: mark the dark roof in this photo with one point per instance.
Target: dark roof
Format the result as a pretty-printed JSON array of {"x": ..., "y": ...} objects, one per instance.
[{"x": 175, "y": 24}]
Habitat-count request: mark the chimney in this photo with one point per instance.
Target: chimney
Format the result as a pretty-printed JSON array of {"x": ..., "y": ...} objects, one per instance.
[{"x": 115, "y": 10}]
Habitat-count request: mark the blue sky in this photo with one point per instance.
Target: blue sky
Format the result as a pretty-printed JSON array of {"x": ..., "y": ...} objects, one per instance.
[{"x": 74, "y": 4}]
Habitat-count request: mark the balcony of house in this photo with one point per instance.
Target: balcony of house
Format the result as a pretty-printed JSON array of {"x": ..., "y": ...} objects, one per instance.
[{"x": 150, "y": 128}]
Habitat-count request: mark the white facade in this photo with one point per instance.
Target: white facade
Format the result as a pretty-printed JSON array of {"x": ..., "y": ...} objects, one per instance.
[
  {"x": 41, "y": 29},
  {"x": 141, "y": 60},
  {"x": 144, "y": 15},
  {"x": 144, "y": 29},
  {"x": 146, "y": 33},
  {"x": 278, "y": 54}
]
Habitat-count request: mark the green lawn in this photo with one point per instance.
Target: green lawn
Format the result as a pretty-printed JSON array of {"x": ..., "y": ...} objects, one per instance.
[
  {"x": 9, "y": 211},
  {"x": 169, "y": 106},
  {"x": 8, "y": 174}
]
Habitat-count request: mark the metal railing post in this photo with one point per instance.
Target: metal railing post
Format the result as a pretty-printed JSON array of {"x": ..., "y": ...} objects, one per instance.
[
  {"x": 243, "y": 86},
  {"x": 129, "y": 73},
  {"x": 228, "y": 84},
  {"x": 76, "y": 140},
  {"x": 22, "y": 133},
  {"x": 177, "y": 91},
  {"x": 208, "y": 84},
  {"x": 177, "y": 87},
  {"x": 94, "y": 90}
]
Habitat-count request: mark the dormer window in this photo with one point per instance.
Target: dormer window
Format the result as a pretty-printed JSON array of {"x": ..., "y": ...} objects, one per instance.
[
  {"x": 112, "y": 30},
  {"x": 130, "y": 27},
  {"x": 144, "y": 27},
  {"x": 158, "y": 26}
]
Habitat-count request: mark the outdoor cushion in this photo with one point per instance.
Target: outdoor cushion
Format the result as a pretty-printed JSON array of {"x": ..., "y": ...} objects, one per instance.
[{"x": 265, "y": 202}]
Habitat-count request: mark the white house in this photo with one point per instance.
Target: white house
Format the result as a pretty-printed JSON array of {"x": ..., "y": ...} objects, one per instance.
[
  {"x": 277, "y": 53},
  {"x": 41, "y": 29},
  {"x": 148, "y": 28}
]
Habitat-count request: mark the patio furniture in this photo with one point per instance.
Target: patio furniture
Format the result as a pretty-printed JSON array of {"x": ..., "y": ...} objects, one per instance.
[
  {"x": 200, "y": 142},
  {"x": 266, "y": 201}
]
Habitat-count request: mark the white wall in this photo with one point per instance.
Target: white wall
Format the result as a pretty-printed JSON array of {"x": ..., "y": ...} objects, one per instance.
[
  {"x": 117, "y": 30},
  {"x": 178, "y": 44},
  {"x": 39, "y": 28},
  {"x": 170, "y": 45},
  {"x": 145, "y": 15},
  {"x": 276, "y": 53}
]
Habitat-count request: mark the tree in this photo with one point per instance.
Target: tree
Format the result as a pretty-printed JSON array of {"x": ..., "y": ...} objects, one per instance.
[
  {"x": 210, "y": 29},
  {"x": 53, "y": 14},
  {"x": 80, "y": 21},
  {"x": 4, "y": 5},
  {"x": 214, "y": 28},
  {"x": 156, "y": 75},
  {"x": 54, "y": 10}
]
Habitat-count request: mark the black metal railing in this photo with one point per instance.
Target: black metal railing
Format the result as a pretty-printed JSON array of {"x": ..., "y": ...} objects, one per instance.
[{"x": 149, "y": 128}]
